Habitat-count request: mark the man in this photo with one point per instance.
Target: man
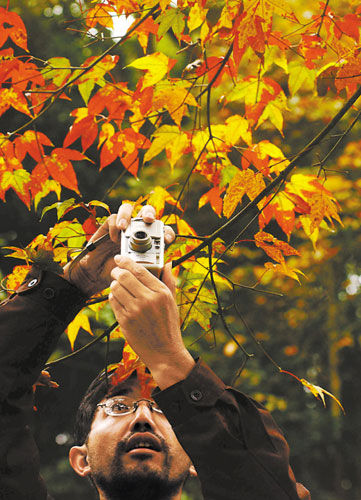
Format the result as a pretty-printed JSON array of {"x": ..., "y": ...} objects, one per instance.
[{"x": 133, "y": 447}]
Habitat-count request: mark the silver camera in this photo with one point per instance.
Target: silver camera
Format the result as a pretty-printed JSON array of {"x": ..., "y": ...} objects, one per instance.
[{"x": 144, "y": 243}]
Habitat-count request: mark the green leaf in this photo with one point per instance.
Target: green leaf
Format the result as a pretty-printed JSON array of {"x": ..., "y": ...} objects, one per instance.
[
  {"x": 300, "y": 76},
  {"x": 60, "y": 72},
  {"x": 85, "y": 89},
  {"x": 61, "y": 207},
  {"x": 171, "y": 18}
]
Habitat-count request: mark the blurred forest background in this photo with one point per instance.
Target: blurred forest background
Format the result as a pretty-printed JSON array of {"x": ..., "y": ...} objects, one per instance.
[{"x": 312, "y": 330}]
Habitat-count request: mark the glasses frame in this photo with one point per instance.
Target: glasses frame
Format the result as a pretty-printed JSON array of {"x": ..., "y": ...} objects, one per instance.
[{"x": 133, "y": 403}]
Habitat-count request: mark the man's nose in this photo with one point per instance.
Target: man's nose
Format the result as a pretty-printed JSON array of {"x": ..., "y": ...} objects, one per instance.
[{"x": 142, "y": 418}]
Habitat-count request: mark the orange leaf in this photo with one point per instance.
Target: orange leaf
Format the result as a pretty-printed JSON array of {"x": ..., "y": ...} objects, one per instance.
[
  {"x": 85, "y": 128},
  {"x": 127, "y": 366},
  {"x": 274, "y": 248},
  {"x": 213, "y": 197},
  {"x": 14, "y": 280},
  {"x": 58, "y": 165},
  {"x": 31, "y": 142},
  {"x": 11, "y": 25},
  {"x": 12, "y": 98}
]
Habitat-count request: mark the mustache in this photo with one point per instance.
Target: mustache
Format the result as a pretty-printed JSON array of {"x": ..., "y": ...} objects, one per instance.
[{"x": 122, "y": 444}]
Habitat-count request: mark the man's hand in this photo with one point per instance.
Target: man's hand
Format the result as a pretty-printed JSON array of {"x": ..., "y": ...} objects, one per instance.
[
  {"x": 92, "y": 274},
  {"x": 147, "y": 313}
]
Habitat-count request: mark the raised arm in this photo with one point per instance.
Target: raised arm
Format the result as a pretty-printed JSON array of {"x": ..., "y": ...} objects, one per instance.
[
  {"x": 236, "y": 447},
  {"x": 31, "y": 321}
]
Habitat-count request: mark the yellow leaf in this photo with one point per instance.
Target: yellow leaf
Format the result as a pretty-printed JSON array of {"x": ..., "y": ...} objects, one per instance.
[
  {"x": 284, "y": 269},
  {"x": 235, "y": 128},
  {"x": 274, "y": 114},
  {"x": 158, "y": 198},
  {"x": 81, "y": 320},
  {"x": 47, "y": 187},
  {"x": 173, "y": 98},
  {"x": 156, "y": 66},
  {"x": 319, "y": 392},
  {"x": 199, "y": 140},
  {"x": 244, "y": 182},
  {"x": 107, "y": 131},
  {"x": 170, "y": 138},
  {"x": 196, "y": 16},
  {"x": 300, "y": 76}
]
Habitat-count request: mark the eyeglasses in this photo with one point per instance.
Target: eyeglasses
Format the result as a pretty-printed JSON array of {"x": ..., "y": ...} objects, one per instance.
[{"x": 124, "y": 405}]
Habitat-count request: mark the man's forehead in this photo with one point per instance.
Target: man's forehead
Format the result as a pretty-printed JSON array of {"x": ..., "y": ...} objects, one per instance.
[{"x": 129, "y": 387}]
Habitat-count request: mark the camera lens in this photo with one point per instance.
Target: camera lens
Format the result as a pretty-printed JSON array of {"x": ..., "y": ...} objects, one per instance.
[
  {"x": 140, "y": 241},
  {"x": 140, "y": 235}
]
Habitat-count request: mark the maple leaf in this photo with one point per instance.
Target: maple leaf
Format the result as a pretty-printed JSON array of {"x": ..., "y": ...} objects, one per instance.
[
  {"x": 312, "y": 48},
  {"x": 244, "y": 182},
  {"x": 85, "y": 126},
  {"x": 316, "y": 390},
  {"x": 58, "y": 70},
  {"x": 123, "y": 144},
  {"x": 194, "y": 305},
  {"x": 300, "y": 76},
  {"x": 156, "y": 66},
  {"x": 130, "y": 362},
  {"x": 19, "y": 180},
  {"x": 12, "y": 98},
  {"x": 350, "y": 25},
  {"x": 31, "y": 142},
  {"x": 172, "y": 18},
  {"x": 174, "y": 98},
  {"x": 81, "y": 321},
  {"x": 17, "y": 276},
  {"x": 100, "y": 14},
  {"x": 213, "y": 196},
  {"x": 143, "y": 31},
  {"x": 59, "y": 166},
  {"x": 170, "y": 138},
  {"x": 196, "y": 16},
  {"x": 11, "y": 25},
  {"x": 282, "y": 207},
  {"x": 211, "y": 65},
  {"x": 158, "y": 198},
  {"x": 236, "y": 127},
  {"x": 264, "y": 99},
  {"x": 254, "y": 24},
  {"x": 274, "y": 248}
]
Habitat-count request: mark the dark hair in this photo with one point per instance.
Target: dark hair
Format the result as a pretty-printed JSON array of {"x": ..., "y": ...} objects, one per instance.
[{"x": 97, "y": 390}]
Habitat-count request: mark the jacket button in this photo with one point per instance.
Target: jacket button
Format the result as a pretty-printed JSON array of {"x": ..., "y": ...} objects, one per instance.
[
  {"x": 196, "y": 395},
  {"x": 33, "y": 282},
  {"x": 48, "y": 293}
]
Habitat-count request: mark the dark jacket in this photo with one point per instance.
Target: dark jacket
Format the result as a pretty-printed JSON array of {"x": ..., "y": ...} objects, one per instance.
[{"x": 237, "y": 449}]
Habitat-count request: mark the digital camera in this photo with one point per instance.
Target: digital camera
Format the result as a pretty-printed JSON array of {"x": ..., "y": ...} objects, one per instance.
[{"x": 144, "y": 243}]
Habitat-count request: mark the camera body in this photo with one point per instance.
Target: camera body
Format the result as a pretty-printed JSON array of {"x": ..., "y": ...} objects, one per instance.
[{"x": 144, "y": 243}]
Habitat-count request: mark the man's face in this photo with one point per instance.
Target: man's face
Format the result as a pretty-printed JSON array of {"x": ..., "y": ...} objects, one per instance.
[{"x": 138, "y": 451}]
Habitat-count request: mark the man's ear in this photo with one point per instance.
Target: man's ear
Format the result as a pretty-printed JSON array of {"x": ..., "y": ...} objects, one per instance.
[
  {"x": 78, "y": 458},
  {"x": 192, "y": 471}
]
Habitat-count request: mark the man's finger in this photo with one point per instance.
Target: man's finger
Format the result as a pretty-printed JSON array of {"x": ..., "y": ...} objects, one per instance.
[
  {"x": 140, "y": 272},
  {"x": 169, "y": 235},
  {"x": 147, "y": 213},
  {"x": 123, "y": 216},
  {"x": 168, "y": 278}
]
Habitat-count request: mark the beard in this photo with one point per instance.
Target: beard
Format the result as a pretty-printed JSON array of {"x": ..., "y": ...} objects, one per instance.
[{"x": 140, "y": 481}]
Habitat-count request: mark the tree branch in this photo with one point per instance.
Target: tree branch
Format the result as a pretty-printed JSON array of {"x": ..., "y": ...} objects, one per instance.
[{"x": 281, "y": 178}]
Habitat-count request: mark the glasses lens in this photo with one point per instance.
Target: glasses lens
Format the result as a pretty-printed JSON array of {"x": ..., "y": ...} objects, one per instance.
[{"x": 124, "y": 405}]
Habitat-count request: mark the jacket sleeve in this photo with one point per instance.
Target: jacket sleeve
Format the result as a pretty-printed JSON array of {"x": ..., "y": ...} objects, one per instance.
[
  {"x": 236, "y": 447},
  {"x": 31, "y": 321}
]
